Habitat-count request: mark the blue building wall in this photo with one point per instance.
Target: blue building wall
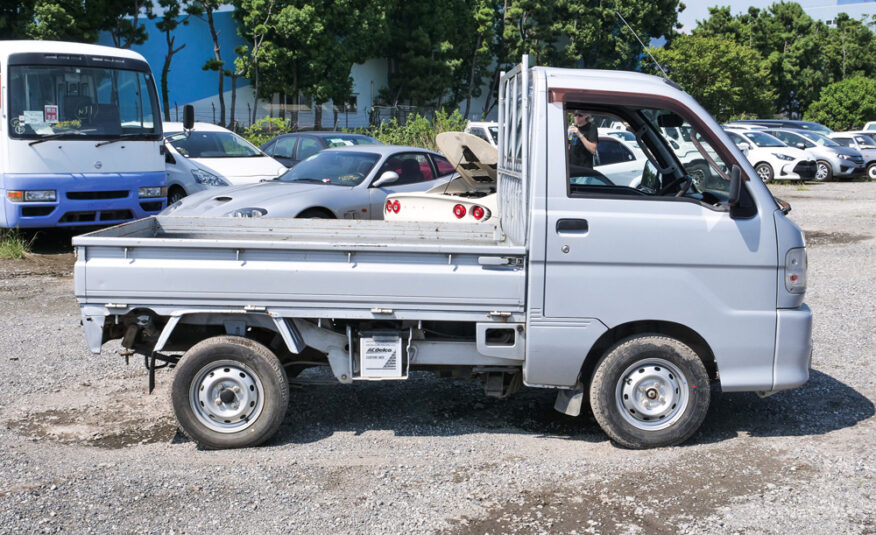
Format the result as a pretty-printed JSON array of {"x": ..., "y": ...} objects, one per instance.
[{"x": 187, "y": 81}]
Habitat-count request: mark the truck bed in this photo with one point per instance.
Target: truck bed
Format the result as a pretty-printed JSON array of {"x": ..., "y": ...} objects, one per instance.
[{"x": 297, "y": 267}]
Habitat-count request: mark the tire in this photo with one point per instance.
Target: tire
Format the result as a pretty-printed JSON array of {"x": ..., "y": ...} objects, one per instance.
[
  {"x": 315, "y": 213},
  {"x": 631, "y": 373},
  {"x": 823, "y": 171},
  {"x": 229, "y": 392},
  {"x": 699, "y": 172},
  {"x": 765, "y": 172},
  {"x": 175, "y": 194},
  {"x": 871, "y": 171}
]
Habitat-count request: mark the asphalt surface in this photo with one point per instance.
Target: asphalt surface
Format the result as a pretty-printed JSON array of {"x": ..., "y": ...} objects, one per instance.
[{"x": 85, "y": 449}]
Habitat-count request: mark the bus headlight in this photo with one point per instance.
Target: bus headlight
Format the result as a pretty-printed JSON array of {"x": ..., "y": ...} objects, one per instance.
[
  {"x": 42, "y": 195},
  {"x": 152, "y": 192}
]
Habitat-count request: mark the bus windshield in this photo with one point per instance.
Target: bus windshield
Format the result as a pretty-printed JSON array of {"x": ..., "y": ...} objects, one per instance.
[{"x": 81, "y": 102}]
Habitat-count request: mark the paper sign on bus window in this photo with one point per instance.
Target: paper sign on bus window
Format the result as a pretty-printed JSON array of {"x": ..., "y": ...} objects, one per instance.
[
  {"x": 33, "y": 117},
  {"x": 51, "y": 113}
]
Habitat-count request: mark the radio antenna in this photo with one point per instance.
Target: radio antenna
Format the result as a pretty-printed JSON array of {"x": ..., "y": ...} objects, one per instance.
[{"x": 616, "y": 12}]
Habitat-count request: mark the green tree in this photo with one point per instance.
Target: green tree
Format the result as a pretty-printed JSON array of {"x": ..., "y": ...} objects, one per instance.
[
  {"x": 725, "y": 77},
  {"x": 254, "y": 18},
  {"x": 850, "y": 49},
  {"x": 14, "y": 18},
  {"x": 845, "y": 105},
  {"x": 599, "y": 40}
]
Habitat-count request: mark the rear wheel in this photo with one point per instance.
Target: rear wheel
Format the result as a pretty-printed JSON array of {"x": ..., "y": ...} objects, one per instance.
[
  {"x": 650, "y": 391},
  {"x": 765, "y": 172},
  {"x": 823, "y": 172},
  {"x": 229, "y": 392}
]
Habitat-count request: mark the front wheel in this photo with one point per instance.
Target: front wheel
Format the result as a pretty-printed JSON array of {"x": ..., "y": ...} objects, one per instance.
[
  {"x": 229, "y": 392},
  {"x": 650, "y": 391},
  {"x": 871, "y": 171},
  {"x": 765, "y": 172},
  {"x": 823, "y": 172}
]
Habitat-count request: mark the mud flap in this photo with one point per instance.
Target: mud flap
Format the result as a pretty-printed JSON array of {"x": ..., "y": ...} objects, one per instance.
[{"x": 569, "y": 401}]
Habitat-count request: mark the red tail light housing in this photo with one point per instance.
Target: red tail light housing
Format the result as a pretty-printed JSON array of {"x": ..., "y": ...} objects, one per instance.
[
  {"x": 478, "y": 213},
  {"x": 388, "y": 206},
  {"x": 396, "y": 206},
  {"x": 459, "y": 211}
]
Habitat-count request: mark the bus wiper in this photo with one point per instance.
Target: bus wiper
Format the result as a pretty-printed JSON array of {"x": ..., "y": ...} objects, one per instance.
[
  {"x": 54, "y": 136},
  {"x": 117, "y": 138}
]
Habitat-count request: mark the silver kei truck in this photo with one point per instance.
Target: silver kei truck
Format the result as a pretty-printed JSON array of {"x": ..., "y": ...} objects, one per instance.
[{"x": 636, "y": 299}]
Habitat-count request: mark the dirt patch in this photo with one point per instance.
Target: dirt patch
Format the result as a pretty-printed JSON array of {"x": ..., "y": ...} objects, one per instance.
[
  {"x": 658, "y": 499},
  {"x": 45, "y": 265},
  {"x": 102, "y": 429},
  {"x": 816, "y": 238}
]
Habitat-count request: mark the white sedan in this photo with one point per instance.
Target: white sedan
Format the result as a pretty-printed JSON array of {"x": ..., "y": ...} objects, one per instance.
[
  {"x": 771, "y": 158},
  {"x": 210, "y": 156}
]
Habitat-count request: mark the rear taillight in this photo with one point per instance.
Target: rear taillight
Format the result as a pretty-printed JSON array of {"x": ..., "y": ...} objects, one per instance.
[
  {"x": 396, "y": 206},
  {"x": 459, "y": 211},
  {"x": 477, "y": 212},
  {"x": 795, "y": 270},
  {"x": 388, "y": 206}
]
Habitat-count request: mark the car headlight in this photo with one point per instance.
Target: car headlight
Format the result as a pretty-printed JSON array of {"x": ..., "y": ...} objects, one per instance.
[
  {"x": 784, "y": 157},
  {"x": 845, "y": 156},
  {"x": 152, "y": 192},
  {"x": 208, "y": 179},
  {"x": 248, "y": 212},
  {"x": 42, "y": 195}
]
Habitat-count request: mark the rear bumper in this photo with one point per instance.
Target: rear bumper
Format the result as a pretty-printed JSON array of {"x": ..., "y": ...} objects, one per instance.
[{"x": 793, "y": 356}]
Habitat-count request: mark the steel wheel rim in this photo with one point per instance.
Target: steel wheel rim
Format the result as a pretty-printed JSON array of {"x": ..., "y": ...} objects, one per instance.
[
  {"x": 821, "y": 172},
  {"x": 763, "y": 172},
  {"x": 698, "y": 176},
  {"x": 871, "y": 172},
  {"x": 652, "y": 394},
  {"x": 226, "y": 396}
]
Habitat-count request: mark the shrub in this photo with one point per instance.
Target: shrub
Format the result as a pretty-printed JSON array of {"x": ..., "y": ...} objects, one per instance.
[
  {"x": 264, "y": 130},
  {"x": 845, "y": 105},
  {"x": 13, "y": 245}
]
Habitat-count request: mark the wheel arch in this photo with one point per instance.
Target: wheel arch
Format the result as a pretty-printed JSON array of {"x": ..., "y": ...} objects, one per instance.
[
  {"x": 320, "y": 209},
  {"x": 671, "y": 329}
]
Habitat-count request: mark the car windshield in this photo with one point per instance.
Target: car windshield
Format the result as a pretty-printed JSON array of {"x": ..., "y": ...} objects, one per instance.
[
  {"x": 340, "y": 168},
  {"x": 81, "y": 102},
  {"x": 346, "y": 140},
  {"x": 213, "y": 145},
  {"x": 821, "y": 139},
  {"x": 815, "y": 127},
  {"x": 494, "y": 133},
  {"x": 763, "y": 140},
  {"x": 866, "y": 142}
]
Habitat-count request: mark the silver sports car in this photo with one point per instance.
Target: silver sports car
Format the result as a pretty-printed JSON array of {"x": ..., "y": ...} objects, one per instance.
[{"x": 344, "y": 183}]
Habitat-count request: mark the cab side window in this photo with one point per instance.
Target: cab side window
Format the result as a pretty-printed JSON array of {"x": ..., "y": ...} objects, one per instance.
[
  {"x": 610, "y": 152},
  {"x": 444, "y": 167}
]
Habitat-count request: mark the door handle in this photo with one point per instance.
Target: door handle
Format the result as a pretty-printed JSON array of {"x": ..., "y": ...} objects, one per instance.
[{"x": 572, "y": 226}]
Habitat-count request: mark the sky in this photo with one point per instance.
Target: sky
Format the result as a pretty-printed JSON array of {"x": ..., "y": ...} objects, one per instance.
[{"x": 819, "y": 9}]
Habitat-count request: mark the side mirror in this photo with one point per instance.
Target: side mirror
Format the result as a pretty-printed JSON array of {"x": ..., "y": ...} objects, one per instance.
[
  {"x": 735, "y": 192},
  {"x": 744, "y": 147},
  {"x": 388, "y": 177},
  {"x": 801, "y": 146},
  {"x": 188, "y": 117}
]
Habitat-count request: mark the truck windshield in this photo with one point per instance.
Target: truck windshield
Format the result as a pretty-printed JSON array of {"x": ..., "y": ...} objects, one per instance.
[{"x": 81, "y": 102}]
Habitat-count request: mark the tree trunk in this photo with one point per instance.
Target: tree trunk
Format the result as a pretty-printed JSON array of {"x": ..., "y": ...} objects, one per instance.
[
  {"x": 216, "y": 53},
  {"x": 255, "y": 95},
  {"x": 471, "y": 74},
  {"x": 317, "y": 116},
  {"x": 234, "y": 78},
  {"x": 165, "y": 71}
]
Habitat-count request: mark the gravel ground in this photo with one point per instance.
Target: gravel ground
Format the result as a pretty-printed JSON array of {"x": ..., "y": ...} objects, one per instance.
[{"x": 87, "y": 450}]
